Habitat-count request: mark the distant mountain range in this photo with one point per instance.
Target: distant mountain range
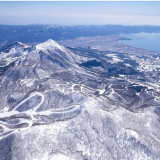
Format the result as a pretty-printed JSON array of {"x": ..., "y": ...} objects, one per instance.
[{"x": 34, "y": 34}]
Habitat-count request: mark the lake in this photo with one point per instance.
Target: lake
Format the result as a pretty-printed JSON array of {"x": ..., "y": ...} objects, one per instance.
[{"x": 149, "y": 41}]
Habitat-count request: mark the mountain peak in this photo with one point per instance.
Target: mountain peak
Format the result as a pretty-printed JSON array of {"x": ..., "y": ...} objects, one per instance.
[
  {"x": 48, "y": 43},
  {"x": 53, "y": 45},
  {"x": 14, "y": 45},
  {"x": 20, "y": 44}
]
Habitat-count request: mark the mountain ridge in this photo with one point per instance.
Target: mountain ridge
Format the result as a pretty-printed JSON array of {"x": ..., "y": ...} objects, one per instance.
[{"x": 72, "y": 103}]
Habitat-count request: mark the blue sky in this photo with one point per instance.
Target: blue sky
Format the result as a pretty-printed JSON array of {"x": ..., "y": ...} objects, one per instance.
[{"x": 80, "y": 13}]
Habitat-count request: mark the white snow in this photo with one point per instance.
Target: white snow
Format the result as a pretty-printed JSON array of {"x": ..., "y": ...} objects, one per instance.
[
  {"x": 102, "y": 91},
  {"x": 128, "y": 65},
  {"x": 112, "y": 92},
  {"x": 50, "y": 43},
  {"x": 23, "y": 45},
  {"x": 27, "y": 82},
  {"x": 32, "y": 94},
  {"x": 73, "y": 87},
  {"x": 114, "y": 57},
  {"x": 59, "y": 156},
  {"x": 121, "y": 75}
]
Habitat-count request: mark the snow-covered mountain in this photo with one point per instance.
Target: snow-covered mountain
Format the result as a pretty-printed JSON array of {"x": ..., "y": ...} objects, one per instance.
[{"x": 63, "y": 104}]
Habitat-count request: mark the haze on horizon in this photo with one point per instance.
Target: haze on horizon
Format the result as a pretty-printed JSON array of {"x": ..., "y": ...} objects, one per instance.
[{"x": 80, "y": 13}]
